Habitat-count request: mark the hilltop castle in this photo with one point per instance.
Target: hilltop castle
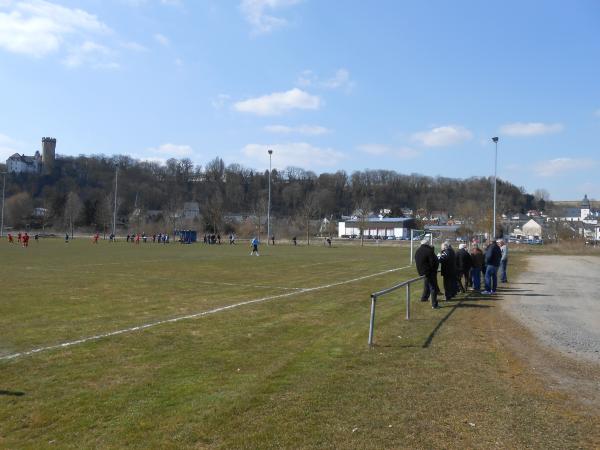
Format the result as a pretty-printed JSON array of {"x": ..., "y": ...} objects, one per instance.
[{"x": 37, "y": 163}]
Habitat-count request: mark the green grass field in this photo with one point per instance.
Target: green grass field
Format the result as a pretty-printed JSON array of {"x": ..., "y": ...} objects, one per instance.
[{"x": 292, "y": 371}]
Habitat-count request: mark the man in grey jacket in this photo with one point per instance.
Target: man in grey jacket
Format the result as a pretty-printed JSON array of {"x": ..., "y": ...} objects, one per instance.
[{"x": 503, "y": 261}]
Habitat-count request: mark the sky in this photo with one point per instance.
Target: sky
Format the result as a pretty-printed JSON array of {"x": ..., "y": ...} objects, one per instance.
[{"x": 415, "y": 87}]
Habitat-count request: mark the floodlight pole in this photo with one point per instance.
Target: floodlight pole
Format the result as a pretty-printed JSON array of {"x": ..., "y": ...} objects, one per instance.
[
  {"x": 3, "y": 191},
  {"x": 269, "y": 206},
  {"x": 495, "y": 139},
  {"x": 114, "y": 230}
]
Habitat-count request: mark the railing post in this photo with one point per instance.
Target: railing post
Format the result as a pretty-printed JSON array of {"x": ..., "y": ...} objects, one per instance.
[
  {"x": 408, "y": 301},
  {"x": 372, "y": 322},
  {"x": 412, "y": 234}
]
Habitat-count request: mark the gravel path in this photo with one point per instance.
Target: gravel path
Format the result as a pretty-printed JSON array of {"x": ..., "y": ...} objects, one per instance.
[{"x": 558, "y": 298}]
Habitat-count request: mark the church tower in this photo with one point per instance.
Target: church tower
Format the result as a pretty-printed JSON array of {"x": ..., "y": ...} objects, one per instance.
[{"x": 585, "y": 207}]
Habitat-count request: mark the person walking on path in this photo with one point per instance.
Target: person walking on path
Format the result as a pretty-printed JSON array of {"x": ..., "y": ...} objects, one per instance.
[
  {"x": 463, "y": 267},
  {"x": 254, "y": 244},
  {"x": 448, "y": 262},
  {"x": 427, "y": 266},
  {"x": 493, "y": 255},
  {"x": 477, "y": 259},
  {"x": 503, "y": 261}
]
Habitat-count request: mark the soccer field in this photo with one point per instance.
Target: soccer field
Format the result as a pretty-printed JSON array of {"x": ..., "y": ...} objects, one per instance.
[
  {"x": 198, "y": 346},
  {"x": 57, "y": 292}
]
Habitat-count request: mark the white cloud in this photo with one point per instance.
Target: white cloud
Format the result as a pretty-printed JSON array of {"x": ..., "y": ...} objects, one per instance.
[
  {"x": 559, "y": 166},
  {"x": 385, "y": 150},
  {"x": 443, "y": 136},
  {"x": 298, "y": 154},
  {"x": 310, "y": 130},
  {"x": 339, "y": 80},
  {"x": 38, "y": 28},
  {"x": 134, "y": 46},
  {"x": 162, "y": 39},
  {"x": 257, "y": 14},
  {"x": 92, "y": 54},
  {"x": 530, "y": 128},
  {"x": 278, "y": 103},
  {"x": 171, "y": 151}
]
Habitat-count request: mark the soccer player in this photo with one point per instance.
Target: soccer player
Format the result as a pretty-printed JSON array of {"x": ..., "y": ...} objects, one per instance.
[
  {"x": 254, "y": 244},
  {"x": 25, "y": 240},
  {"x": 10, "y": 239},
  {"x": 96, "y": 237}
]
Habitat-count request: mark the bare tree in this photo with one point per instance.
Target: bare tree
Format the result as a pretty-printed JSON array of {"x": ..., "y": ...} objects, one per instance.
[
  {"x": 104, "y": 213},
  {"x": 19, "y": 208},
  {"x": 73, "y": 208},
  {"x": 363, "y": 208},
  {"x": 308, "y": 211}
]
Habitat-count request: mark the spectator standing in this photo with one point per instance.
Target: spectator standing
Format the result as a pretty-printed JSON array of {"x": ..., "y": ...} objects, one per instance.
[
  {"x": 493, "y": 256},
  {"x": 427, "y": 266},
  {"x": 463, "y": 267},
  {"x": 477, "y": 261},
  {"x": 447, "y": 259},
  {"x": 295, "y": 241},
  {"x": 503, "y": 261}
]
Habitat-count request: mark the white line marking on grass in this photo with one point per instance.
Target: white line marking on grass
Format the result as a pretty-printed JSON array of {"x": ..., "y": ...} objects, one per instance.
[
  {"x": 192, "y": 316},
  {"x": 258, "y": 286}
]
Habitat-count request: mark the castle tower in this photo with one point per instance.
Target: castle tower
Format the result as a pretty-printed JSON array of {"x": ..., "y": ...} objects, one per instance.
[{"x": 48, "y": 154}]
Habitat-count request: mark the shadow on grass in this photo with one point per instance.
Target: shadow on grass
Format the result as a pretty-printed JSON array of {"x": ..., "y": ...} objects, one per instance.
[
  {"x": 12, "y": 393},
  {"x": 461, "y": 304}
]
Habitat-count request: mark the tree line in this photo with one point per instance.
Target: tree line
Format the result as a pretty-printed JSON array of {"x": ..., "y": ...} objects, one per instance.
[{"x": 80, "y": 193}]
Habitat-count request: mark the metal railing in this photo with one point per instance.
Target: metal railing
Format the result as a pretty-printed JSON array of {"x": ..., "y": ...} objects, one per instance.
[{"x": 376, "y": 295}]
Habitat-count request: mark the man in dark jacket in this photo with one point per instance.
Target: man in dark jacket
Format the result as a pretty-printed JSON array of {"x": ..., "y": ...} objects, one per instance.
[
  {"x": 463, "y": 267},
  {"x": 493, "y": 255},
  {"x": 448, "y": 262},
  {"x": 427, "y": 265}
]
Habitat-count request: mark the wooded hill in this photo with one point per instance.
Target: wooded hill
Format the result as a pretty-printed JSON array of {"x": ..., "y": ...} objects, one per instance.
[{"x": 80, "y": 190}]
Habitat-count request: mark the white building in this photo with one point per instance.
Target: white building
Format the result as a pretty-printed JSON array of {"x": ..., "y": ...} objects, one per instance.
[
  {"x": 384, "y": 227},
  {"x": 24, "y": 164},
  {"x": 191, "y": 210}
]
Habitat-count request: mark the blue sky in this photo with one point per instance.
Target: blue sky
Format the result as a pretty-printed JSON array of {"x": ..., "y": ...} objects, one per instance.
[{"x": 403, "y": 85}]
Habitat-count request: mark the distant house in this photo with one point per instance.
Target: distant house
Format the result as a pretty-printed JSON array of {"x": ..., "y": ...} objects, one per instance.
[
  {"x": 191, "y": 210},
  {"x": 532, "y": 229},
  {"x": 384, "y": 227},
  {"x": 24, "y": 164}
]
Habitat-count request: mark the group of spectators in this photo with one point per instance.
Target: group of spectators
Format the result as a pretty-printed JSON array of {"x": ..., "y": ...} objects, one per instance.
[{"x": 462, "y": 269}]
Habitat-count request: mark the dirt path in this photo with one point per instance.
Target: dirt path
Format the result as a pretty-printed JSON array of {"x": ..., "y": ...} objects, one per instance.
[{"x": 558, "y": 299}]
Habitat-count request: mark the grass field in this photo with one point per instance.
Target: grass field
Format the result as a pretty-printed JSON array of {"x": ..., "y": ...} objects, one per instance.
[{"x": 290, "y": 370}]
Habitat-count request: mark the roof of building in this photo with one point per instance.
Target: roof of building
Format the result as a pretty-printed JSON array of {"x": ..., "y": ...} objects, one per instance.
[
  {"x": 25, "y": 159},
  {"x": 442, "y": 227},
  {"x": 377, "y": 219}
]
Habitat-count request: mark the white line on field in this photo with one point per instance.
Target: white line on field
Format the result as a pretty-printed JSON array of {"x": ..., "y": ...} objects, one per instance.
[{"x": 192, "y": 316}]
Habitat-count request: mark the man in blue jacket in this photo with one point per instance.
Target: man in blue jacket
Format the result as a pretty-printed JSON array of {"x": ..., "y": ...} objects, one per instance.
[{"x": 493, "y": 255}]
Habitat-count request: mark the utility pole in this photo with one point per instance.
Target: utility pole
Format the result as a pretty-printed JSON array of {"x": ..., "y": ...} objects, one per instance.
[
  {"x": 495, "y": 139},
  {"x": 3, "y": 191},
  {"x": 114, "y": 230},
  {"x": 269, "y": 206}
]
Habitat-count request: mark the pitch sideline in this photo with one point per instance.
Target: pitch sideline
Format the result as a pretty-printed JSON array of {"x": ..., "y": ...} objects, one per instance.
[{"x": 192, "y": 316}]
